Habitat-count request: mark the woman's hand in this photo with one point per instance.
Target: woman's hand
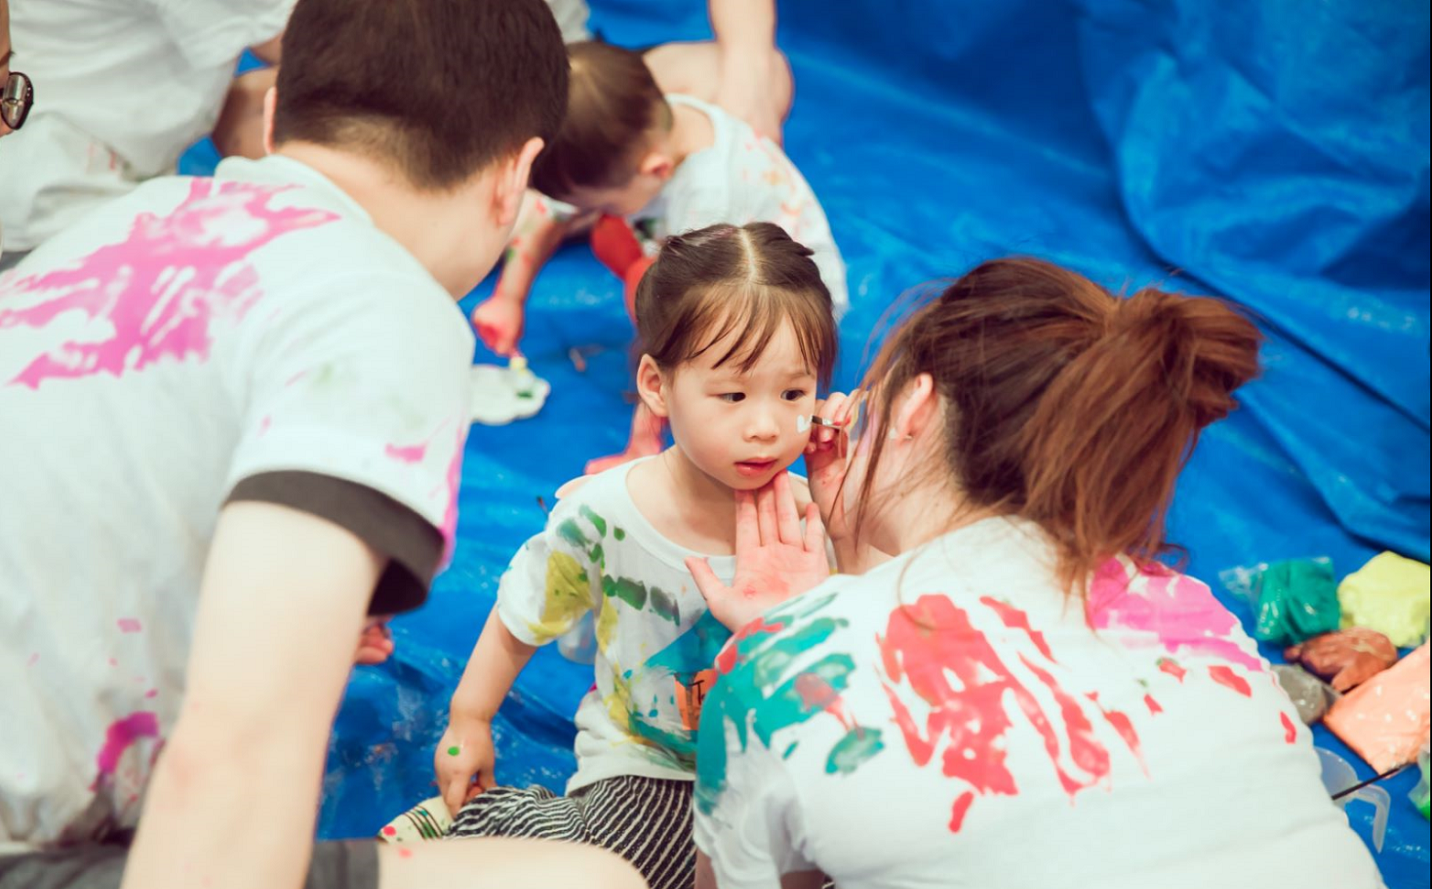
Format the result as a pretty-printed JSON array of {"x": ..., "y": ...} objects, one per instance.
[
  {"x": 464, "y": 761},
  {"x": 827, "y": 458},
  {"x": 774, "y": 559}
]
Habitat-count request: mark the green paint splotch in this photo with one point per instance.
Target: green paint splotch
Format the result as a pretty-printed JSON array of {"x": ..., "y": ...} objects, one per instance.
[
  {"x": 571, "y": 532},
  {"x": 619, "y": 534},
  {"x": 755, "y": 694},
  {"x": 568, "y": 596},
  {"x": 858, "y": 745},
  {"x": 632, "y": 592},
  {"x": 597, "y": 521}
]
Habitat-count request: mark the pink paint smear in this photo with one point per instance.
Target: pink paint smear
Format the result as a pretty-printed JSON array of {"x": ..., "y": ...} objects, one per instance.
[
  {"x": 121, "y": 735},
  {"x": 129, "y": 625},
  {"x": 154, "y": 295},
  {"x": 1181, "y": 613}
]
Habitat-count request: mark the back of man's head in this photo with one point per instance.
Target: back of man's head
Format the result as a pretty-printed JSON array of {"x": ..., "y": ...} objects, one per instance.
[{"x": 438, "y": 89}]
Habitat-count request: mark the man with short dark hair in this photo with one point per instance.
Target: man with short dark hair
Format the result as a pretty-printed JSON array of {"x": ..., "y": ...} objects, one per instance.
[{"x": 234, "y": 412}]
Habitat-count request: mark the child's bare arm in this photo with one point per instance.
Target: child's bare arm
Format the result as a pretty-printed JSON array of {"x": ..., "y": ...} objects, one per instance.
[
  {"x": 465, "y": 752},
  {"x": 538, "y": 233}
]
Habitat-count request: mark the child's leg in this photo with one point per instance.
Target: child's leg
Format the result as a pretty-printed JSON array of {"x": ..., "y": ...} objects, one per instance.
[
  {"x": 645, "y": 441},
  {"x": 694, "y": 69}
]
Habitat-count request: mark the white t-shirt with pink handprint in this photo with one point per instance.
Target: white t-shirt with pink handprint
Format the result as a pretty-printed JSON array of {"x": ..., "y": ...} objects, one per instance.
[{"x": 247, "y": 337}]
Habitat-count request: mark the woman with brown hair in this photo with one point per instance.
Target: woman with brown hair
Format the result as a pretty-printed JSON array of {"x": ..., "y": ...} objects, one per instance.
[{"x": 1023, "y": 693}]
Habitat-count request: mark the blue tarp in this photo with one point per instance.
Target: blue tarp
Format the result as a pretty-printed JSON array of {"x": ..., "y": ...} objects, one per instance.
[{"x": 1275, "y": 153}]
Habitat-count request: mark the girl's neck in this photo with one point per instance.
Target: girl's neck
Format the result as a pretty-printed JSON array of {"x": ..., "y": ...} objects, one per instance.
[{"x": 686, "y": 505}]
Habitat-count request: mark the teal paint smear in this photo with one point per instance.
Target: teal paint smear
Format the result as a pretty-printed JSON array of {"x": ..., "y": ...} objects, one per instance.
[
  {"x": 630, "y": 591},
  {"x": 691, "y": 652},
  {"x": 680, "y": 745},
  {"x": 858, "y": 745},
  {"x": 597, "y": 521},
  {"x": 664, "y": 605},
  {"x": 570, "y": 532},
  {"x": 789, "y": 750},
  {"x": 740, "y": 699}
]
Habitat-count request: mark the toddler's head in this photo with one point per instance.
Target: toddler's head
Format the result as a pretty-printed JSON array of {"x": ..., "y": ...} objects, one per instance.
[
  {"x": 737, "y": 334},
  {"x": 611, "y": 153}
]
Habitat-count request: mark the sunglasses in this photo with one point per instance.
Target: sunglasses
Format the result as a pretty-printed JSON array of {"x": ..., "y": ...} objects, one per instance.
[{"x": 17, "y": 95}]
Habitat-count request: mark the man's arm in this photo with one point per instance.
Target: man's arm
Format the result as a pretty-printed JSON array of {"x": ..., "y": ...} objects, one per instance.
[{"x": 234, "y": 797}]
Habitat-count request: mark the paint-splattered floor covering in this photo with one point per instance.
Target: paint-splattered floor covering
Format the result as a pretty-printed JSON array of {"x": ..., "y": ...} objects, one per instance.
[{"x": 1110, "y": 139}]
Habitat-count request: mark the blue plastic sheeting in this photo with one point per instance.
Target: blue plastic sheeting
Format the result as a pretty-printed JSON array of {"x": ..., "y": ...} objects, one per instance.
[{"x": 1273, "y": 153}]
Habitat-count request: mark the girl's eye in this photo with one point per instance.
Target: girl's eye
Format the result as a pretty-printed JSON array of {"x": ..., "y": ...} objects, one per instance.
[
  {"x": 732, "y": 397},
  {"x": 793, "y": 394}
]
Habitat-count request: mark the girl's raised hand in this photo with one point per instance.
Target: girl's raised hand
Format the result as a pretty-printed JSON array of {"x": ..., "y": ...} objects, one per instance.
[
  {"x": 775, "y": 560},
  {"x": 827, "y": 457}
]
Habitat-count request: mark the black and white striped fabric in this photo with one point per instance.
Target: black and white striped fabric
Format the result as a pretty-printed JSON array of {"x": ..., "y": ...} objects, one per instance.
[{"x": 647, "y": 821}]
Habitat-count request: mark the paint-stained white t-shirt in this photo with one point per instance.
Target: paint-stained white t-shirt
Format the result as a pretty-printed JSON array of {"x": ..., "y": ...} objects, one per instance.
[
  {"x": 953, "y": 719},
  {"x": 743, "y": 178},
  {"x": 247, "y": 337},
  {"x": 656, "y": 642}
]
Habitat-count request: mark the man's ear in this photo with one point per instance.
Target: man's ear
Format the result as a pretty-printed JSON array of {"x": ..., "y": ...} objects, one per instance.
[
  {"x": 658, "y": 164},
  {"x": 651, "y": 386},
  {"x": 512, "y": 182},
  {"x": 270, "y": 103}
]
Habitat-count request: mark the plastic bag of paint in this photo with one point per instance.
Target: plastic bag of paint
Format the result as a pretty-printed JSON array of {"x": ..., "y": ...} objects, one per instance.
[
  {"x": 1338, "y": 777},
  {"x": 1390, "y": 594},
  {"x": 1419, "y": 793},
  {"x": 1292, "y": 600},
  {"x": 1386, "y": 719},
  {"x": 1309, "y": 694}
]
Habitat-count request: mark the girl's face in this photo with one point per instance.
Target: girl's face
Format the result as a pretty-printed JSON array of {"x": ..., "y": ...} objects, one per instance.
[{"x": 741, "y": 428}]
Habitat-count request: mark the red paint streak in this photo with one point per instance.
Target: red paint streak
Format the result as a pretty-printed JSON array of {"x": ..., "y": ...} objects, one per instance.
[
  {"x": 1171, "y": 667},
  {"x": 1290, "y": 731},
  {"x": 957, "y": 812},
  {"x": 129, "y": 625},
  {"x": 121, "y": 735},
  {"x": 974, "y": 715},
  {"x": 726, "y": 660},
  {"x": 295, "y": 378},
  {"x": 1225, "y": 676},
  {"x": 113, "y": 662},
  {"x": 407, "y": 454},
  {"x": 1018, "y": 620},
  {"x": 816, "y": 693},
  {"x": 154, "y": 295},
  {"x": 1154, "y": 708}
]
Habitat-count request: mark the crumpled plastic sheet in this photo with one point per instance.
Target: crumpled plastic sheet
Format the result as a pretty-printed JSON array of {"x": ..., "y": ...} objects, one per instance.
[{"x": 1275, "y": 154}]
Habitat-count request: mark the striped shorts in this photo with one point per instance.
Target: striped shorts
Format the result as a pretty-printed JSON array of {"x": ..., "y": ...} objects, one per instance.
[{"x": 647, "y": 821}]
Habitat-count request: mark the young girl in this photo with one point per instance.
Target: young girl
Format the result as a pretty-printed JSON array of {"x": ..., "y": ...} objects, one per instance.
[
  {"x": 1024, "y": 694},
  {"x": 737, "y": 333}
]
